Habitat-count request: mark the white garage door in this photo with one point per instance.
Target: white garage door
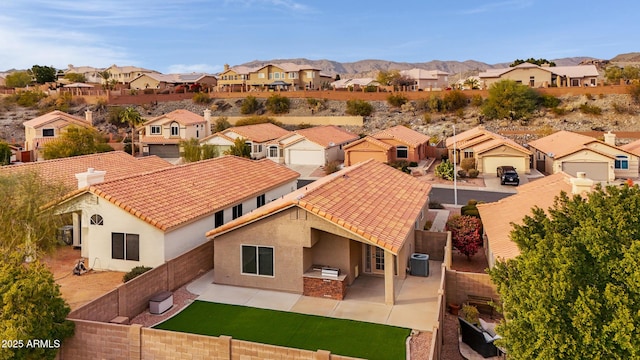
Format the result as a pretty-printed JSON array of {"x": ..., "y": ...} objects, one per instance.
[
  {"x": 306, "y": 157},
  {"x": 598, "y": 171},
  {"x": 491, "y": 163}
]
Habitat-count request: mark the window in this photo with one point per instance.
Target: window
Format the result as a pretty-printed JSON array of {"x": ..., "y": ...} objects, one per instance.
[
  {"x": 402, "y": 152},
  {"x": 276, "y": 75},
  {"x": 257, "y": 148},
  {"x": 125, "y": 246},
  {"x": 96, "y": 220},
  {"x": 311, "y": 74},
  {"x": 622, "y": 162},
  {"x": 257, "y": 260},
  {"x": 468, "y": 154},
  {"x": 175, "y": 129},
  {"x": 273, "y": 151},
  {"x": 47, "y": 132},
  {"x": 237, "y": 211},
  {"x": 260, "y": 200},
  {"x": 219, "y": 218},
  {"x": 156, "y": 129},
  {"x": 261, "y": 76},
  {"x": 575, "y": 82}
]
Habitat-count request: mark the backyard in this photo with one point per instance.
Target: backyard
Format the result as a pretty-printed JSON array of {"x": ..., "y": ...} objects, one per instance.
[{"x": 310, "y": 332}]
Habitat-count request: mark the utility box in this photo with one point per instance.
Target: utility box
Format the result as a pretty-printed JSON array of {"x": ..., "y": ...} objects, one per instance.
[
  {"x": 161, "y": 302},
  {"x": 419, "y": 264}
]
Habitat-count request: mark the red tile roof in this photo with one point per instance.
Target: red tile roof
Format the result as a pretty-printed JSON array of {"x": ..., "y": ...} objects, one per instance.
[
  {"x": 371, "y": 140},
  {"x": 172, "y": 197},
  {"x": 632, "y": 147},
  {"x": 403, "y": 134},
  {"x": 327, "y": 136},
  {"x": 117, "y": 164},
  {"x": 181, "y": 116},
  {"x": 259, "y": 132},
  {"x": 56, "y": 115},
  {"x": 370, "y": 199}
]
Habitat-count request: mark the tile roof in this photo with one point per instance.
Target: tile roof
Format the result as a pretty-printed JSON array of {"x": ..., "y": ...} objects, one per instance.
[
  {"x": 176, "y": 78},
  {"x": 117, "y": 164},
  {"x": 328, "y": 135},
  {"x": 258, "y": 132},
  {"x": 158, "y": 139},
  {"x": 370, "y": 199},
  {"x": 171, "y": 197},
  {"x": 369, "y": 139},
  {"x": 562, "y": 143},
  {"x": 403, "y": 134},
  {"x": 417, "y": 73},
  {"x": 497, "y": 217},
  {"x": 632, "y": 147},
  {"x": 568, "y": 71},
  {"x": 181, "y": 116},
  {"x": 56, "y": 115},
  {"x": 495, "y": 141},
  {"x": 466, "y": 135}
]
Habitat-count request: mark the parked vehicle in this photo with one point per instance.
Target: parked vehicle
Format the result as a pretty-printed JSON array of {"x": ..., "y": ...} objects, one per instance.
[{"x": 508, "y": 175}]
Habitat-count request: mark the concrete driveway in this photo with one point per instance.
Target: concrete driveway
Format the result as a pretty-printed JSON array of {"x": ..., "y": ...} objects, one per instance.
[{"x": 305, "y": 171}]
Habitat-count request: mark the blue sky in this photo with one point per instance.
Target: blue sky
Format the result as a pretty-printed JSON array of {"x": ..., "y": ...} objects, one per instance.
[{"x": 202, "y": 35}]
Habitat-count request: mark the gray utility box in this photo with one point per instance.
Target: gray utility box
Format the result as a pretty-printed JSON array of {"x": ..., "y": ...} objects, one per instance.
[
  {"x": 161, "y": 302},
  {"x": 419, "y": 264}
]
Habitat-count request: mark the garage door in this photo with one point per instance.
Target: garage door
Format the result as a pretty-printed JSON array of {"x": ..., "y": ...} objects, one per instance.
[
  {"x": 491, "y": 163},
  {"x": 598, "y": 171},
  {"x": 306, "y": 157},
  {"x": 360, "y": 156},
  {"x": 165, "y": 151}
]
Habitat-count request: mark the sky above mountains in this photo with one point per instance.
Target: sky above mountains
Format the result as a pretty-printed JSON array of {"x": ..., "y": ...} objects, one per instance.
[{"x": 176, "y": 36}]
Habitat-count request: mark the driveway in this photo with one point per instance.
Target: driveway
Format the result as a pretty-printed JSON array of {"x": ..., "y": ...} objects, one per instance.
[{"x": 306, "y": 171}]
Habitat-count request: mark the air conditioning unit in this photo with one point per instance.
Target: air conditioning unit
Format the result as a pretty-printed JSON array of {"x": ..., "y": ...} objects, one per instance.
[{"x": 419, "y": 264}]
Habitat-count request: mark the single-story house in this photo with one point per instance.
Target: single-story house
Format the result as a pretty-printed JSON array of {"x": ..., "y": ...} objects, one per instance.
[
  {"x": 168, "y": 81},
  {"x": 406, "y": 144},
  {"x": 426, "y": 79},
  {"x": 543, "y": 76},
  {"x": 152, "y": 217},
  {"x": 161, "y": 135},
  {"x": 489, "y": 149},
  {"x": 256, "y": 137},
  {"x": 355, "y": 84},
  {"x": 359, "y": 220},
  {"x": 572, "y": 153},
  {"x": 632, "y": 147},
  {"x": 47, "y": 127},
  {"x": 316, "y": 145},
  {"x": 498, "y": 217}
]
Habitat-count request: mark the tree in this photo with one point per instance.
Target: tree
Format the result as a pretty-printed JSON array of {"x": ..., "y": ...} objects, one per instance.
[
  {"x": 31, "y": 308},
  {"x": 222, "y": 123},
  {"x": 509, "y": 99},
  {"x": 359, "y": 107},
  {"x": 239, "y": 148},
  {"x": 614, "y": 74},
  {"x": 5, "y": 153},
  {"x": 538, "y": 62},
  {"x": 393, "y": 77},
  {"x": 43, "y": 74},
  {"x": 278, "y": 104},
  {"x": 193, "y": 151},
  {"x": 107, "y": 82},
  {"x": 249, "y": 105},
  {"x": 76, "y": 141},
  {"x": 75, "y": 77},
  {"x": 465, "y": 234},
  {"x": 132, "y": 117},
  {"x": 574, "y": 290},
  {"x": 472, "y": 83},
  {"x": 18, "y": 79}
]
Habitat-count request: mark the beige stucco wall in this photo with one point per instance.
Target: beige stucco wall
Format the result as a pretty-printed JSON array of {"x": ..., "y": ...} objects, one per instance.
[
  {"x": 311, "y": 120},
  {"x": 633, "y": 170},
  {"x": 511, "y": 156},
  {"x": 144, "y": 82},
  {"x": 541, "y": 77},
  {"x": 365, "y": 151},
  {"x": 586, "y": 156},
  {"x": 306, "y": 145}
]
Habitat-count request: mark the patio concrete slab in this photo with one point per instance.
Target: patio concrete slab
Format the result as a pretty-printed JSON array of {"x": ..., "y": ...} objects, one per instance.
[
  {"x": 363, "y": 311},
  {"x": 315, "y": 306},
  {"x": 273, "y": 300},
  {"x": 228, "y": 294}
]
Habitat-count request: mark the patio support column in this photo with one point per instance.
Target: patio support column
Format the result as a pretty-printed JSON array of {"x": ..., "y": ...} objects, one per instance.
[
  {"x": 389, "y": 290},
  {"x": 75, "y": 216}
]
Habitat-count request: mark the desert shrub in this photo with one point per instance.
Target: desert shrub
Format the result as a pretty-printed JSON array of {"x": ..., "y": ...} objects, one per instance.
[
  {"x": 413, "y": 164},
  {"x": 331, "y": 167},
  {"x": 435, "y": 103},
  {"x": 114, "y": 114},
  {"x": 621, "y": 108},
  {"x": 135, "y": 272},
  {"x": 588, "y": 96},
  {"x": 402, "y": 165},
  {"x": 634, "y": 91},
  {"x": 422, "y": 105},
  {"x": 315, "y": 104},
  {"x": 371, "y": 88},
  {"x": 252, "y": 120},
  {"x": 278, "y": 104},
  {"x": 509, "y": 99},
  {"x": 559, "y": 111},
  {"x": 468, "y": 164},
  {"x": 397, "y": 100},
  {"x": 590, "y": 109},
  {"x": 476, "y": 100},
  {"x": 426, "y": 118},
  {"x": 221, "y": 123},
  {"x": 473, "y": 173},
  {"x": 462, "y": 173},
  {"x": 435, "y": 205},
  {"x": 428, "y": 225},
  {"x": 549, "y": 101},
  {"x": 29, "y": 98},
  {"x": 249, "y": 105},
  {"x": 359, "y": 107},
  {"x": 454, "y": 100},
  {"x": 444, "y": 170},
  {"x": 201, "y": 98}
]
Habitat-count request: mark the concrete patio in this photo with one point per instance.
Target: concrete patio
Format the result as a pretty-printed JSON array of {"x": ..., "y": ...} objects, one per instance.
[{"x": 415, "y": 307}]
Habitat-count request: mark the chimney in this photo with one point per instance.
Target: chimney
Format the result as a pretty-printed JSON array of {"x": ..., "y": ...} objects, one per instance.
[
  {"x": 88, "y": 115},
  {"x": 207, "y": 118},
  {"x": 226, "y": 67},
  {"x": 581, "y": 184},
  {"x": 610, "y": 138},
  {"x": 90, "y": 177}
]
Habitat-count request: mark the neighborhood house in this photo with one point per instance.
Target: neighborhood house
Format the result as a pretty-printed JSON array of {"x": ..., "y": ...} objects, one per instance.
[
  {"x": 393, "y": 144},
  {"x": 161, "y": 135},
  {"x": 255, "y": 137},
  {"x": 45, "y": 128}
]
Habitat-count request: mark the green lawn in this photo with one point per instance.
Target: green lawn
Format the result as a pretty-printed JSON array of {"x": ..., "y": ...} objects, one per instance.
[{"x": 342, "y": 337}]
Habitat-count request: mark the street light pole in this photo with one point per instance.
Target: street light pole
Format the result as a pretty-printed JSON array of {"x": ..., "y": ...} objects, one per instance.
[{"x": 455, "y": 171}]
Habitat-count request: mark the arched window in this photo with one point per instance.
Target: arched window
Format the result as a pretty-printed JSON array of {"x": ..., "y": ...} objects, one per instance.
[
  {"x": 96, "y": 220},
  {"x": 175, "y": 129}
]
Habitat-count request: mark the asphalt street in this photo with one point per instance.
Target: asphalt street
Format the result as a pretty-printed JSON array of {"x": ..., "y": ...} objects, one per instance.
[{"x": 446, "y": 196}]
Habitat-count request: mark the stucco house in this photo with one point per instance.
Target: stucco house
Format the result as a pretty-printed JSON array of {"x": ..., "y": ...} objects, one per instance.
[
  {"x": 543, "y": 76},
  {"x": 572, "y": 153},
  {"x": 125, "y": 74},
  {"x": 149, "y": 218},
  {"x": 389, "y": 145},
  {"x": 283, "y": 76},
  {"x": 489, "y": 150},
  {"x": 256, "y": 136},
  {"x": 427, "y": 80},
  {"x": 168, "y": 81},
  {"x": 498, "y": 217},
  {"x": 161, "y": 135},
  {"x": 632, "y": 147},
  {"x": 44, "y": 128},
  {"x": 316, "y": 145},
  {"x": 359, "y": 220},
  {"x": 355, "y": 84}
]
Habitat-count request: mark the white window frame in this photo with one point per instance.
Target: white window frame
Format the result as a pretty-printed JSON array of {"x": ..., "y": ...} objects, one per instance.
[
  {"x": 257, "y": 257},
  {"x": 273, "y": 148},
  {"x": 96, "y": 219},
  {"x": 621, "y": 162},
  {"x": 156, "y": 130},
  {"x": 176, "y": 126},
  {"x": 260, "y": 75}
]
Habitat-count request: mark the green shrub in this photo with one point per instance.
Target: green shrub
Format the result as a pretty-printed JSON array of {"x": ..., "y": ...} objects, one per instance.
[
  {"x": 371, "y": 88},
  {"x": 278, "y": 104},
  {"x": 472, "y": 202},
  {"x": 428, "y": 224},
  {"x": 549, "y": 101},
  {"x": 331, "y": 167},
  {"x": 249, "y": 105},
  {"x": 435, "y": 205},
  {"x": 426, "y": 118},
  {"x": 454, "y": 100},
  {"x": 462, "y": 174},
  {"x": 634, "y": 91},
  {"x": 435, "y": 103},
  {"x": 470, "y": 313},
  {"x": 444, "y": 170},
  {"x": 201, "y": 98},
  {"x": 359, "y": 107},
  {"x": 252, "y": 120},
  {"x": 135, "y": 272},
  {"x": 29, "y": 98},
  {"x": 509, "y": 99},
  {"x": 114, "y": 115},
  {"x": 559, "y": 111},
  {"x": 468, "y": 164},
  {"x": 422, "y": 105},
  {"x": 590, "y": 109},
  {"x": 221, "y": 123},
  {"x": 413, "y": 164},
  {"x": 402, "y": 165},
  {"x": 477, "y": 100},
  {"x": 473, "y": 173},
  {"x": 397, "y": 100}
]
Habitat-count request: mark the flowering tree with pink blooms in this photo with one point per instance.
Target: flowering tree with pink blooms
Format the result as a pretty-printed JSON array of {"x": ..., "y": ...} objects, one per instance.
[{"x": 465, "y": 234}]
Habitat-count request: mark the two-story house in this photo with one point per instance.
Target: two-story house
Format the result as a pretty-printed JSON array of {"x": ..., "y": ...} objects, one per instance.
[
  {"x": 44, "y": 128},
  {"x": 162, "y": 135},
  {"x": 427, "y": 79},
  {"x": 284, "y": 76},
  {"x": 255, "y": 136}
]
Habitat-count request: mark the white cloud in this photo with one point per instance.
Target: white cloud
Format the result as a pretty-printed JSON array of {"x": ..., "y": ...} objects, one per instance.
[
  {"x": 503, "y": 5},
  {"x": 197, "y": 68}
]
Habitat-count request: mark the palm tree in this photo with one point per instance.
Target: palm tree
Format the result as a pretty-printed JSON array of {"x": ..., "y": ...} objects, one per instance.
[
  {"x": 472, "y": 83},
  {"x": 105, "y": 76},
  {"x": 132, "y": 117}
]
